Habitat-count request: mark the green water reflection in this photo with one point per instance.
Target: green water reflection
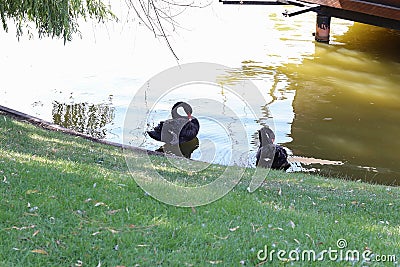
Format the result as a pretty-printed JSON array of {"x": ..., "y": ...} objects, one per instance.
[{"x": 347, "y": 104}]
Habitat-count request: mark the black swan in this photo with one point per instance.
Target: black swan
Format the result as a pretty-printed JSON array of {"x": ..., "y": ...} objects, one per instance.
[
  {"x": 270, "y": 155},
  {"x": 179, "y": 129}
]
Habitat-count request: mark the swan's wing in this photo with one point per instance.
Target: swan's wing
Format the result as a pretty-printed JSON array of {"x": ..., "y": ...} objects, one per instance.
[
  {"x": 179, "y": 130},
  {"x": 159, "y": 127},
  {"x": 171, "y": 130},
  {"x": 156, "y": 132},
  {"x": 280, "y": 160},
  {"x": 189, "y": 130},
  {"x": 265, "y": 156}
]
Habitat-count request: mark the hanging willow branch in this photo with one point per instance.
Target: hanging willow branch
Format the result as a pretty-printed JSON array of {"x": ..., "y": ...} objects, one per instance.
[
  {"x": 54, "y": 18},
  {"x": 158, "y": 15},
  {"x": 59, "y": 18}
]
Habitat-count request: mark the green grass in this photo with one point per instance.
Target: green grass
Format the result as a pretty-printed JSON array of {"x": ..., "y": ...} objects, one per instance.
[{"x": 67, "y": 201}]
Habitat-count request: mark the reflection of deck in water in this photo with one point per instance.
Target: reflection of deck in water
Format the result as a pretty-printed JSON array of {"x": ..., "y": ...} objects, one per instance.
[{"x": 308, "y": 161}]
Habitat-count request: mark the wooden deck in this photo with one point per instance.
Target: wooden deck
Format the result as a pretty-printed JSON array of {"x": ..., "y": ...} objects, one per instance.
[
  {"x": 389, "y": 9},
  {"x": 383, "y": 13}
]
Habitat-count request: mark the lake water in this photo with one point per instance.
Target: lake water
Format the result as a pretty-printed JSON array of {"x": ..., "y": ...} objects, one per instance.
[{"x": 335, "y": 108}]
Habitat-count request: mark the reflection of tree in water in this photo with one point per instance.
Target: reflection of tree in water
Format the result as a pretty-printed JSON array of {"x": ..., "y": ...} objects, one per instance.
[{"x": 86, "y": 118}]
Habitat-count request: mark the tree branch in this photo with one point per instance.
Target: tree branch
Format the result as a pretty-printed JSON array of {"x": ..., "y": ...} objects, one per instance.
[{"x": 156, "y": 15}]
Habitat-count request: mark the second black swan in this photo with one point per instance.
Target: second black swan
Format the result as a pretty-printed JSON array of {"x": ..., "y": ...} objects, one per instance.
[
  {"x": 270, "y": 155},
  {"x": 179, "y": 129}
]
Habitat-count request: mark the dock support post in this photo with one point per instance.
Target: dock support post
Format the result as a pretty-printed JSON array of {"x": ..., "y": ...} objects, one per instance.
[{"x": 323, "y": 28}]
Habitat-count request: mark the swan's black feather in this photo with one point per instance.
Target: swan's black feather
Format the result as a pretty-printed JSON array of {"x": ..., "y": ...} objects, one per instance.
[
  {"x": 177, "y": 130},
  {"x": 270, "y": 155}
]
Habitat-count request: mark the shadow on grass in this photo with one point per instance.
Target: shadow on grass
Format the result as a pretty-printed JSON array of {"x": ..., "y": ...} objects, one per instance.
[{"x": 65, "y": 208}]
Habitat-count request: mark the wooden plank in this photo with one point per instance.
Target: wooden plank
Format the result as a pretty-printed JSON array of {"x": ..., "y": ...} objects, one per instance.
[
  {"x": 251, "y": 2},
  {"x": 393, "y": 3},
  {"x": 383, "y": 13},
  {"x": 381, "y": 8}
]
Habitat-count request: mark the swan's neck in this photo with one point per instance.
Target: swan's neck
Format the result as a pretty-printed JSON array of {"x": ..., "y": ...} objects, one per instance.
[{"x": 265, "y": 141}]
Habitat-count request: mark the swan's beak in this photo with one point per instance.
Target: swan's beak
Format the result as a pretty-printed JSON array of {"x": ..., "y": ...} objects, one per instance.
[{"x": 189, "y": 116}]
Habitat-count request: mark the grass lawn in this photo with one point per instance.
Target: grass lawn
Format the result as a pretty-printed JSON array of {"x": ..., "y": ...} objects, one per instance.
[{"x": 67, "y": 201}]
